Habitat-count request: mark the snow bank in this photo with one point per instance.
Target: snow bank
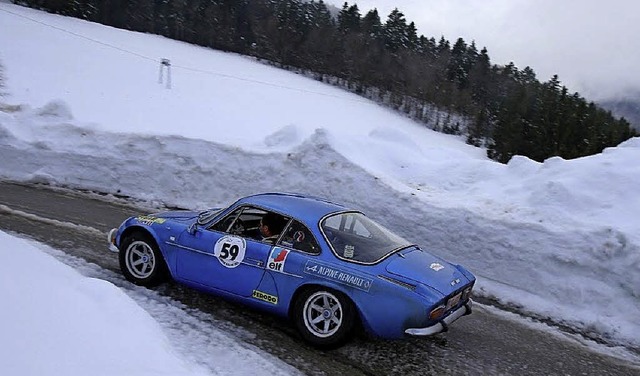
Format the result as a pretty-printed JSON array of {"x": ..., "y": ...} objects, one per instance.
[{"x": 74, "y": 325}]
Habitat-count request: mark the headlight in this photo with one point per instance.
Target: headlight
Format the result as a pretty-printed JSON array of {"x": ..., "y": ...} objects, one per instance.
[{"x": 437, "y": 312}]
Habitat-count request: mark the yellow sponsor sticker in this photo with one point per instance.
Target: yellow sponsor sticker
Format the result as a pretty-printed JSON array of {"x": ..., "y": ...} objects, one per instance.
[{"x": 265, "y": 297}]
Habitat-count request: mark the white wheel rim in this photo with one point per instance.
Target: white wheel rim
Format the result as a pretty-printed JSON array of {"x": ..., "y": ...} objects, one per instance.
[
  {"x": 140, "y": 259},
  {"x": 323, "y": 314}
]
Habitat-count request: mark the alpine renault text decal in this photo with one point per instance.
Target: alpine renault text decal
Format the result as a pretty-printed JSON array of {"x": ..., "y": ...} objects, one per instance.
[{"x": 345, "y": 278}]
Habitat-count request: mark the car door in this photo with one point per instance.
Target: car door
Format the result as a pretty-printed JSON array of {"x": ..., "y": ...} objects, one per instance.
[
  {"x": 228, "y": 255},
  {"x": 288, "y": 260}
]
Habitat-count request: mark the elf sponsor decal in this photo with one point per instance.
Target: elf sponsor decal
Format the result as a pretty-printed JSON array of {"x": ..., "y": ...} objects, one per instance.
[
  {"x": 345, "y": 278},
  {"x": 230, "y": 251},
  {"x": 265, "y": 297},
  {"x": 277, "y": 258},
  {"x": 149, "y": 220}
]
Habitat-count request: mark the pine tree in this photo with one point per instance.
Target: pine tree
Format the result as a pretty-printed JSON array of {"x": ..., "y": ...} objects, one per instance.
[
  {"x": 459, "y": 64},
  {"x": 426, "y": 47},
  {"x": 443, "y": 46},
  {"x": 320, "y": 15},
  {"x": 371, "y": 24},
  {"x": 349, "y": 18},
  {"x": 480, "y": 77},
  {"x": 412, "y": 37},
  {"x": 395, "y": 31},
  {"x": 293, "y": 26},
  {"x": 319, "y": 47}
]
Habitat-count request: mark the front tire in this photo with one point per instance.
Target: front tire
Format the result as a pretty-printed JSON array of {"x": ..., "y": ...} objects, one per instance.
[
  {"x": 324, "y": 317},
  {"x": 141, "y": 261}
]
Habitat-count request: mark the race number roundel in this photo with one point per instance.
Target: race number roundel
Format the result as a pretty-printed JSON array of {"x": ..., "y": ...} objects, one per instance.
[{"x": 230, "y": 250}]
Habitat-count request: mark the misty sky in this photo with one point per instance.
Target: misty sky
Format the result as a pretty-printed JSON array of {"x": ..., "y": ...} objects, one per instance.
[{"x": 591, "y": 44}]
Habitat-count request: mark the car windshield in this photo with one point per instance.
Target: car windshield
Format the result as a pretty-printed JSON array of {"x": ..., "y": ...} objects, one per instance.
[
  {"x": 207, "y": 215},
  {"x": 355, "y": 237}
]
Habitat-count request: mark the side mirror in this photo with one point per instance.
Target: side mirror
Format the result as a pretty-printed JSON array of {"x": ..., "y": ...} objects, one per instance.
[{"x": 193, "y": 228}]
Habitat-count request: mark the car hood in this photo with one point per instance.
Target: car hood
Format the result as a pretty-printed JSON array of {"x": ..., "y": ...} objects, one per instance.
[
  {"x": 425, "y": 268},
  {"x": 177, "y": 215}
]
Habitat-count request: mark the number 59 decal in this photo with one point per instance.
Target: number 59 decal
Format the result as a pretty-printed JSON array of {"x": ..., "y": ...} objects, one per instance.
[{"x": 230, "y": 250}]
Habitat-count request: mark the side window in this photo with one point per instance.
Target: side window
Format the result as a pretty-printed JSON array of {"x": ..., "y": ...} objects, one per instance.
[
  {"x": 250, "y": 219},
  {"x": 228, "y": 222},
  {"x": 246, "y": 222},
  {"x": 243, "y": 221},
  {"x": 299, "y": 237}
]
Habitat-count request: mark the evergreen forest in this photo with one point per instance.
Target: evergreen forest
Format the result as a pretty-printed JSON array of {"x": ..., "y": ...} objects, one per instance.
[{"x": 449, "y": 87}]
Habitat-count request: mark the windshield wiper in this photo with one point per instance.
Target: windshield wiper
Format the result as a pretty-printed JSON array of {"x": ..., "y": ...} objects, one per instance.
[{"x": 207, "y": 215}]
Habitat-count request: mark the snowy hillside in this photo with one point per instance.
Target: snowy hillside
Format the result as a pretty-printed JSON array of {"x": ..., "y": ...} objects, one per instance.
[{"x": 558, "y": 239}]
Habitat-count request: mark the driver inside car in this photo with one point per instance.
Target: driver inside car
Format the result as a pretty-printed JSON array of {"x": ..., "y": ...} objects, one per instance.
[{"x": 271, "y": 225}]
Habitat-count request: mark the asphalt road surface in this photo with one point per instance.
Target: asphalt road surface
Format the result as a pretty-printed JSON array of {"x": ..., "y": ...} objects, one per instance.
[{"x": 483, "y": 343}]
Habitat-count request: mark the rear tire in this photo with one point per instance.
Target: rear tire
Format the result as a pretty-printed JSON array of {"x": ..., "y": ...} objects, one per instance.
[
  {"x": 324, "y": 317},
  {"x": 141, "y": 261}
]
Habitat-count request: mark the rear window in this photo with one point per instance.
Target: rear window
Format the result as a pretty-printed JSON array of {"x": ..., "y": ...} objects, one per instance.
[{"x": 355, "y": 237}]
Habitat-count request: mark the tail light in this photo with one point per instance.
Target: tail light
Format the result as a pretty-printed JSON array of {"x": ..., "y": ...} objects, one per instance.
[{"x": 466, "y": 294}]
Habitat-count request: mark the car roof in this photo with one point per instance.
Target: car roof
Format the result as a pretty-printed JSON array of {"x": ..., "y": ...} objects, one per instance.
[{"x": 308, "y": 209}]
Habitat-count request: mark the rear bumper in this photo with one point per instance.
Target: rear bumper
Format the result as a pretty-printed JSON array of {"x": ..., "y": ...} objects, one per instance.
[
  {"x": 111, "y": 238},
  {"x": 442, "y": 325}
]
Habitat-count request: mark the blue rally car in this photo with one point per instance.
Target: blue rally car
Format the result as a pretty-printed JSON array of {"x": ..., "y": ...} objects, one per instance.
[{"x": 324, "y": 266}]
